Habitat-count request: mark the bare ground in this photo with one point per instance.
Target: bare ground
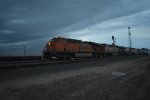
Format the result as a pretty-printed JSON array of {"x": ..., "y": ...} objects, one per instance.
[{"x": 124, "y": 80}]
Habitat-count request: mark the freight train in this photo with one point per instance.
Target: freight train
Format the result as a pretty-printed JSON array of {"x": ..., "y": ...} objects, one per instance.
[{"x": 61, "y": 47}]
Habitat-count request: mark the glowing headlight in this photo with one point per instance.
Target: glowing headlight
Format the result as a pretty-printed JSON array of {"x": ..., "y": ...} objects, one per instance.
[{"x": 49, "y": 43}]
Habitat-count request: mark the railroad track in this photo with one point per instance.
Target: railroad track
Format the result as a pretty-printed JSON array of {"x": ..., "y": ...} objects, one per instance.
[
  {"x": 23, "y": 64},
  {"x": 17, "y": 64}
]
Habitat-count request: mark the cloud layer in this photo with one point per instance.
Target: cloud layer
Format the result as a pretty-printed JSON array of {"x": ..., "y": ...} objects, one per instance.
[{"x": 32, "y": 23}]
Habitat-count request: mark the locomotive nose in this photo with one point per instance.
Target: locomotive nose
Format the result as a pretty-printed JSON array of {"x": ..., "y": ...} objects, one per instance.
[{"x": 50, "y": 46}]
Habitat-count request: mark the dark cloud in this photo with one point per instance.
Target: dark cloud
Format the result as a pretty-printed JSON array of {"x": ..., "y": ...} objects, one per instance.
[{"x": 32, "y": 22}]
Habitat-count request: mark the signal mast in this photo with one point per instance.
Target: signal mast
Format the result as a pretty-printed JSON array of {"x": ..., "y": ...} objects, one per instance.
[{"x": 114, "y": 40}]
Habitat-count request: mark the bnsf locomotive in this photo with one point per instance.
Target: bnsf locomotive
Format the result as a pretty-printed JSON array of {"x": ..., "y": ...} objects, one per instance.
[{"x": 61, "y": 47}]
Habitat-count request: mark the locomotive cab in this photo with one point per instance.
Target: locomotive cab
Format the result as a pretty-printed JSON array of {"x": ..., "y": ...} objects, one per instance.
[{"x": 60, "y": 48}]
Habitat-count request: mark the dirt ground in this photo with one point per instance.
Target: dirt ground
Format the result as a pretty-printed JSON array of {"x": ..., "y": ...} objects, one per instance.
[{"x": 122, "y": 80}]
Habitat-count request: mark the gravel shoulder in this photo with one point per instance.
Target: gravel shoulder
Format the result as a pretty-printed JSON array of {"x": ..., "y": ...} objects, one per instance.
[{"x": 124, "y": 80}]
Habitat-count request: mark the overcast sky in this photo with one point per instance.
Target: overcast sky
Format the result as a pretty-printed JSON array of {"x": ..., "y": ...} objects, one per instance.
[{"x": 31, "y": 23}]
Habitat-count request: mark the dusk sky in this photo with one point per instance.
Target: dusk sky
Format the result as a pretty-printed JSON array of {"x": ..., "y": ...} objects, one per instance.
[{"x": 31, "y": 23}]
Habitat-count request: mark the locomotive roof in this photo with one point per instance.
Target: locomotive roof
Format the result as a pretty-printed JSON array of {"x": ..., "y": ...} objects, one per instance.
[
  {"x": 77, "y": 41},
  {"x": 67, "y": 40}
]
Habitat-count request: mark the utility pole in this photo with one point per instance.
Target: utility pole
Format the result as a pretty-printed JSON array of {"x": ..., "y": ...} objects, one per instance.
[
  {"x": 114, "y": 45},
  {"x": 129, "y": 41}
]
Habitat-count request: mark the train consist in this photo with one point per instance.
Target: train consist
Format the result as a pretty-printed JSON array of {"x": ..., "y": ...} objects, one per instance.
[{"x": 61, "y": 47}]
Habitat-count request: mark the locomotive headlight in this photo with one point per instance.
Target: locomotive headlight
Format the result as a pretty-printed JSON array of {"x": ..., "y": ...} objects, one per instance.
[{"x": 49, "y": 43}]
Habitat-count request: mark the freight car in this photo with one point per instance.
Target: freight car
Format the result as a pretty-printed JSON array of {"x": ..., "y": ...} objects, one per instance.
[
  {"x": 144, "y": 51},
  {"x": 61, "y": 47}
]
